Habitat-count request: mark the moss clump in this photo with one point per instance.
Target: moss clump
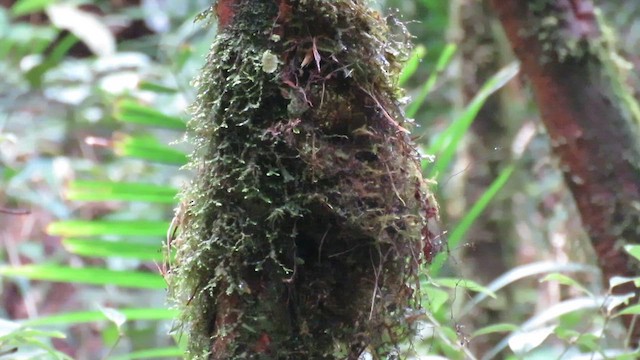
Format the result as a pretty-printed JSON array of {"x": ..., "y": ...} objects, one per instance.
[{"x": 302, "y": 232}]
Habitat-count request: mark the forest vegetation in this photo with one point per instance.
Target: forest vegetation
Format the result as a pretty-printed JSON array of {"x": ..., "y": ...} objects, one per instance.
[{"x": 293, "y": 179}]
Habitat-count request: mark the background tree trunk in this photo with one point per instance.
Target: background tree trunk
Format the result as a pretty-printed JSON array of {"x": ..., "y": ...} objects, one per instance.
[{"x": 590, "y": 117}]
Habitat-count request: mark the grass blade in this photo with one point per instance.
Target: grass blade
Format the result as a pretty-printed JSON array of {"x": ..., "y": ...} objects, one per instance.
[
  {"x": 445, "y": 146},
  {"x": 443, "y": 61},
  {"x": 412, "y": 64},
  {"x": 460, "y": 230}
]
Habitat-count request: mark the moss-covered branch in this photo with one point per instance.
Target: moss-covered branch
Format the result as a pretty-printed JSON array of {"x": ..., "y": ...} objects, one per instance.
[{"x": 302, "y": 233}]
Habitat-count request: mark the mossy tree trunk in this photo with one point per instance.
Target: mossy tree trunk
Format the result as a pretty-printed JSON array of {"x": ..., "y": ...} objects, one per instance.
[
  {"x": 591, "y": 118},
  {"x": 303, "y": 231}
]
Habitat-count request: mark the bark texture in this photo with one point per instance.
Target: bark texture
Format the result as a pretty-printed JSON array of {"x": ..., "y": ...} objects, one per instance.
[
  {"x": 302, "y": 233},
  {"x": 591, "y": 119}
]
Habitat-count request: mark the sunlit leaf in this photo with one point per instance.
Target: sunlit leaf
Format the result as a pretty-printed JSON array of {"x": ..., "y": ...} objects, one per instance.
[
  {"x": 86, "y": 26},
  {"x": 80, "y": 317},
  {"x": 133, "y": 112},
  {"x": 110, "y": 191},
  {"x": 525, "y": 341},
  {"x": 86, "y": 228},
  {"x": 93, "y": 276}
]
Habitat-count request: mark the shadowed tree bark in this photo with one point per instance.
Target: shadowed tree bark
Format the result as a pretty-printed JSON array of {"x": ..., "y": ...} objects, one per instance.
[
  {"x": 303, "y": 231},
  {"x": 591, "y": 119}
]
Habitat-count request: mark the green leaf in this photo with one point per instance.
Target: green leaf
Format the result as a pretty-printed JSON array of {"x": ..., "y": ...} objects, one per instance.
[
  {"x": 156, "y": 88},
  {"x": 80, "y": 317},
  {"x": 133, "y": 112},
  {"x": 445, "y": 58},
  {"x": 471, "y": 285},
  {"x": 86, "y": 228},
  {"x": 169, "y": 352},
  {"x": 433, "y": 298},
  {"x": 148, "y": 148},
  {"x": 25, "y": 7},
  {"x": 111, "y": 191},
  {"x": 122, "y": 249},
  {"x": 630, "y": 310},
  {"x": 412, "y": 64},
  {"x": 565, "y": 280},
  {"x": 495, "y": 328},
  {"x": 36, "y": 74},
  {"x": 460, "y": 230},
  {"x": 93, "y": 276},
  {"x": 446, "y": 144}
]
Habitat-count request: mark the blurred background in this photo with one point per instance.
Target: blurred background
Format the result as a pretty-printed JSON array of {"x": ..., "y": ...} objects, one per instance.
[{"x": 94, "y": 96}]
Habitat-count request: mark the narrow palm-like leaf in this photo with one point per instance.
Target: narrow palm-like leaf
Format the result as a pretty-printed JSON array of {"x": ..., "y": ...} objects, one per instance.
[
  {"x": 133, "y": 112},
  {"x": 85, "y": 228},
  {"x": 110, "y": 191},
  {"x": 114, "y": 249},
  {"x": 148, "y": 148},
  {"x": 156, "y": 88},
  {"x": 93, "y": 276},
  {"x": 79, "y": 317}
]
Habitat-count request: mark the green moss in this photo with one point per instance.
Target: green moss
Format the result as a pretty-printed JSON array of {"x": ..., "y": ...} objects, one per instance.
[{"x": 302, "y": 232}]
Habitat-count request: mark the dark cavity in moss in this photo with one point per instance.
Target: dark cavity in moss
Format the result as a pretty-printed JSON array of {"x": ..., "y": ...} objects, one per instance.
[{"x": 304, "y": 228}]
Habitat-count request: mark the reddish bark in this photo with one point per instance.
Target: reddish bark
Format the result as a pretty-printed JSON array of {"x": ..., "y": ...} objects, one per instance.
[
  {"x": 591, "y": 129},
  {"x": 225, "y": 11}
]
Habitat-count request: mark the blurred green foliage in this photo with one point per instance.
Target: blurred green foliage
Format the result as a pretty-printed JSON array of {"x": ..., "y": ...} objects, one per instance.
[{"x": 90, "y": 145}]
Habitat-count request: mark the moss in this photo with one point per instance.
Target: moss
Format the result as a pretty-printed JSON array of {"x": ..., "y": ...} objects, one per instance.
[{"x": 303, "y": 230}]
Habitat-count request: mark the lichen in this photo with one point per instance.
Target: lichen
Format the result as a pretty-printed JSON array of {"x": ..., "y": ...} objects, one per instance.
[{"x": 303, "y": 230}]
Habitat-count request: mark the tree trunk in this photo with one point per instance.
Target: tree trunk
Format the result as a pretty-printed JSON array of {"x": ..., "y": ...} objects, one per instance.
[
  {"x": 302, "y": 233},
  {"x": 591, "y": 119}
]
